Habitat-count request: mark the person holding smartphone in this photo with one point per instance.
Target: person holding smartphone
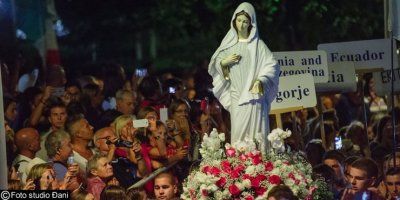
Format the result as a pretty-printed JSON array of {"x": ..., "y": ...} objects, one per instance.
[{"x": 129, "y": 161}]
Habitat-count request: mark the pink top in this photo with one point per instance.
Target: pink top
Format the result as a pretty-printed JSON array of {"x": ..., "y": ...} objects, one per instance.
[{"x": 95, "y": 186}]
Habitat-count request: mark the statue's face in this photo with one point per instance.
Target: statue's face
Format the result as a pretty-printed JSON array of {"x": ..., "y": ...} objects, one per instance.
[{"x": 242, "y": 24}]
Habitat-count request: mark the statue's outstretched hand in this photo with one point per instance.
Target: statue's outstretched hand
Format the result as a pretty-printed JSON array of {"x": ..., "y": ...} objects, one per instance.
[
  {"x": 257, "y": 88},
  {"x": 227, "y": 62}
]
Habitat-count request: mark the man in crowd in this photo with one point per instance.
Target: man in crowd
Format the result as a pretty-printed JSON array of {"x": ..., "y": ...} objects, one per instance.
[
  {"x": 81, "y": 134},
  {"x": 126, "y": 101},
  {"x": 334, "y": 159},
  {"x": 165, "y": 186},
  {"x": 57, "y": 116},
  {"x": 103, "y": 140},
  {"x": 27, "y": 141},
  {"x": 362, "y": 175},
  {"x": 392, "y": 182}
]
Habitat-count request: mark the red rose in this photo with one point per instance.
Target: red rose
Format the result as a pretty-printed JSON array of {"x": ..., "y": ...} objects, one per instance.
[
  {"x": 297, "y": 182},
  {"x": 243, "y": 157},
  {"x": 249, "y": 198},
  {"x": 286, "y": 162},
  {"x": 269, "y": 166},
  {"x": 204, "y": 192},
  {"x": 221, "y": 182},
  {"x": 234, "y": 190},
  {"x": 261, "y": 177},
  {"x": 260, "y": 191},
  {"x": 231, "y": 152},
  {"x": 211, "y": 170},
  {"x": 256, "y": 160},
  {"x": 246, "y": 176},
  {"x": 234, "y": 174},
  {"x": 240, "y": 168},
  {"x": 274, "y": 179},
  {"x": 226, "y": 166},
  {"x": 291, "y": 175},
  {"x": 255, "y": 183},
  {"x": 215, "y": 171},
  {"x": 206, "y": 169}
]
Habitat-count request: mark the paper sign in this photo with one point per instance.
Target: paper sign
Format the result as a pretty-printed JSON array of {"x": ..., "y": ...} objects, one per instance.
[
  {"x": 295, "y": 91},
  {"x": 368, "y": 55},
  {"x": 342, "y": 78},
  {"x": 383, "y": 84},
  {"x": 302, "y": 62}
]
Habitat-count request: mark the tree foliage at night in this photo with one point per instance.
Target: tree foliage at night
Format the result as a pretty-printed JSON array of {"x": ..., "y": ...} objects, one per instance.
[{"x": 181, "y": 33}]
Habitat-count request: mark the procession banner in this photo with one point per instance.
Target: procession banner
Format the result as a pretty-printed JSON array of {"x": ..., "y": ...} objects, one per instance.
[
  {"x": 342, "y": 78},
  {"x": 297, "y": 91},
  {"x": 302, "y": 62},
  {"x": 367, "y": 55},
  {"x": 383, "y": 83}
]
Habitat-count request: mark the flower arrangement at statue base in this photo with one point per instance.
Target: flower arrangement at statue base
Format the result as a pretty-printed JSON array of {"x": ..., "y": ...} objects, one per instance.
[{"x": 240, "y": 171}]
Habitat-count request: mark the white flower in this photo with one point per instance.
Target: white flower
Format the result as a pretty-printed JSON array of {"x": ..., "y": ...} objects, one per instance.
[
  {"x": 240, "y": 186},
  {"x": 245, "y": 146},
  {"x": 251, "y": 170},
  {"x": 247, "y": 183},
  {"x": 222, "y": 137}
]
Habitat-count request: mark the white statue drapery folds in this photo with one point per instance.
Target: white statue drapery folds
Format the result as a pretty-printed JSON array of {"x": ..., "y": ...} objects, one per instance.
[{"x": 240, "y": 65}]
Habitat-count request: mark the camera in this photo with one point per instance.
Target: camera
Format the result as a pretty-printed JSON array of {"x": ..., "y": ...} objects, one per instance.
[{"x": 121, "y": 143}]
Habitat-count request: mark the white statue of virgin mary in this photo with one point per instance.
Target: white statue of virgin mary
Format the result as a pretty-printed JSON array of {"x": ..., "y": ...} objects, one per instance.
[{"x": 245, "y": 78}]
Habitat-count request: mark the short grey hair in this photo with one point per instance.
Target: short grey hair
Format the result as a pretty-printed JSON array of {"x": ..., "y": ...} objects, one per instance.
[
  {"x": 92, "y": 164},
  {"x": 119, "y": 96},
  {"x": 54, "y": 141}
]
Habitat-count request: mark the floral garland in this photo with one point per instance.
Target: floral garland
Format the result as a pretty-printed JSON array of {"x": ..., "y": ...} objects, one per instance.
[{"x": 239, "y": 171}]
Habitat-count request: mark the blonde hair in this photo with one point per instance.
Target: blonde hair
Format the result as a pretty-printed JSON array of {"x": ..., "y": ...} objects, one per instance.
[
  {"x": 120, "y": 122},
  {"x": 37, "y": 171}
]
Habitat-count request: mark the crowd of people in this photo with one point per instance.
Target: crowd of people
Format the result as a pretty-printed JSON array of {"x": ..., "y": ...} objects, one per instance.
[{"x": 84, "y": 132}]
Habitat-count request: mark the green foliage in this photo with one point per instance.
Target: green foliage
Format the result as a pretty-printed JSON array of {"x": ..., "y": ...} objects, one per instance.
[{"x": 189, "y": 31}]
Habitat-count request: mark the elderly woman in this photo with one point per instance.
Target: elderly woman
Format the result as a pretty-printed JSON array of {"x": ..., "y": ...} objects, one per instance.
[
  {"x": 125, "y": 132},
  {"x": 130, "y": 161},
  {"x": 245, "y": 77},
  {"x": 100, "y": 174}
]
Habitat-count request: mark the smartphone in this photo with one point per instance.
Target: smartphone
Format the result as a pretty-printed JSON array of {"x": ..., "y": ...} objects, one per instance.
[
  {"x": 58, "y": 91},
  {"x": 70, "y": 160},
  {"x": 171, "y": 90},
  {"x": 141, "y": 72},
  {"x": 37, "y": 184},
  {"x": 338, "y": 143},
  {"x": 140, "y": 123},
  {"x": 164, "y": 114}
]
